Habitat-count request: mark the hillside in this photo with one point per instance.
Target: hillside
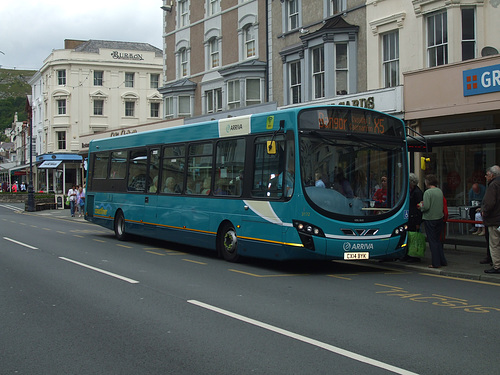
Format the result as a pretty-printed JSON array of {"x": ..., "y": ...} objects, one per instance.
[{"x": 13, "y": 90}]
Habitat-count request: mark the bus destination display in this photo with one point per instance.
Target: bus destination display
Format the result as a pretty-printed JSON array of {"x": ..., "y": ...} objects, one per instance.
[{"x": 347, "y": 120}]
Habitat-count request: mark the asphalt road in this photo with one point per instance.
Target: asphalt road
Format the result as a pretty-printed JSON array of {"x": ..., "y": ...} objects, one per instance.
[{"x": 74, "y": 300}]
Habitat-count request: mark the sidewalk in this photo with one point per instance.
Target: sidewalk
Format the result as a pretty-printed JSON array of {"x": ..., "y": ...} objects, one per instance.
[
  {"x": 463, "y": 253},
  {"x": 463, "y": 262}
]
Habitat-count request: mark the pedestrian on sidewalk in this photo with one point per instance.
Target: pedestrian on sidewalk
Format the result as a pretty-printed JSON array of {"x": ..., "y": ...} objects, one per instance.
[
  {"x": 415, "y": 219},
  {"x": 432, "y": 207},
  {"x": 490, "y": 210},
  {"x": 72, "y": 199},
  {"x": 476, "y": 195}
]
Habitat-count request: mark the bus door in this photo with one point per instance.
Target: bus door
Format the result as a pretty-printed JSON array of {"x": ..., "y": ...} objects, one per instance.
[
  {"x": 151, "y": 196},
  {"x": 272, "y": 188},
  {"x": 137, "y": 184}
]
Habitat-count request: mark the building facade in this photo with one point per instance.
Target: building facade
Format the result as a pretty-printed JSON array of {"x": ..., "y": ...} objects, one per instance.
[
  {"x": 215, "y": 55},
  {"x": 87, "y": 88},
  {"x": 429, "y": 46}
]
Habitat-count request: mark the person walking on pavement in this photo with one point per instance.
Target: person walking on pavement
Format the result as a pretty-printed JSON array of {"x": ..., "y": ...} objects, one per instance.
[
  {"x": 415, "y": 219},
  {"x": 432, "y": 208},
  {"x": 72, "y": 199},
  {"x": 490, "y": 210}
]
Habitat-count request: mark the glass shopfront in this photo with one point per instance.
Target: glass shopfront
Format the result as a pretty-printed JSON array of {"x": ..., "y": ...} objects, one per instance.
[{"x": 458, "y": 167}]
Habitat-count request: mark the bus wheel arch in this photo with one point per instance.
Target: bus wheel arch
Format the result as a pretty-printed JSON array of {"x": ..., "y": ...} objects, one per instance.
[
  {"x": 119, "y": 225},
  {"x": 227, "y": 242}
]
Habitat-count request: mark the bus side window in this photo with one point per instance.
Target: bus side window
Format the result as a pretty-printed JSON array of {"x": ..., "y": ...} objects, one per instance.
[
  {"x": 101, "y": 165},
  {"x": 229, "y": 166},
  {"x": 154, "y": 170},
  {"x": 118, "y": 165},
  {"x": 200, "y": 166},
  {"x": 137, "y": 177},
  {"x": 173, "y": 169}
]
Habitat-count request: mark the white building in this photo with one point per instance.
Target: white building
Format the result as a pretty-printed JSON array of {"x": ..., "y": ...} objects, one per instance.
[{"x": 86, "y": 88}]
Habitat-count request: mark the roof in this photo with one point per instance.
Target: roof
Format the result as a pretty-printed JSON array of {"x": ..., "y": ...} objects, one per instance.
[
  {"x": 93, "y": 46},
  {"x": 336, "y": 23}
]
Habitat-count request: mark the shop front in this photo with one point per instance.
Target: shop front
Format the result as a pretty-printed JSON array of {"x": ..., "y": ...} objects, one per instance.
[
  {"x": 56, "y": 173},
  {"x": 456, "y": 108}
]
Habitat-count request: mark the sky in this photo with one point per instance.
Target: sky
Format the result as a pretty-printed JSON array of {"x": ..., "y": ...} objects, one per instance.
[{"x": 31, "y": 29}]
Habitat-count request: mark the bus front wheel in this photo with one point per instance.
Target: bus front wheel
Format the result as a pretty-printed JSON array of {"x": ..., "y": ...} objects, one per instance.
[
  {"x": 228, "y": 243},
  {"x": 120, "y": 226}
]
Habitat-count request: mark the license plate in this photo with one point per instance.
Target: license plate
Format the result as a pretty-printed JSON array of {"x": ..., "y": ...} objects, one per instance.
[{"x": 356, "y": 256}]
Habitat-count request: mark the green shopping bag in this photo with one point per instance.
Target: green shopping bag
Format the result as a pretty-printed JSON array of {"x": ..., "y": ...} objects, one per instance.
[{"x": 416, "y": 244}]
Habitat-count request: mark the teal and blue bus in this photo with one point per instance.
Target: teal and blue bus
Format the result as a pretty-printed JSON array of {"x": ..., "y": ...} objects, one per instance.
[{"x": 325, "y": 182}]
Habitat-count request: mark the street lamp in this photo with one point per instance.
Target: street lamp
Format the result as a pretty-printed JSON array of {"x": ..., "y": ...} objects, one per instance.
[{"x": 31, "y": 195}]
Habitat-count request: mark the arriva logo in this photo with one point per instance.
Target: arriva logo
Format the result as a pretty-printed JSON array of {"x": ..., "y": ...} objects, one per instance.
[
  {"x": 357, "y": 246},
  {"x": 235, "y": 127}
]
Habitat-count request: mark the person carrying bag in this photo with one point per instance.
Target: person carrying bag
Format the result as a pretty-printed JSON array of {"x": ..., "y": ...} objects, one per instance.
[{"x": 416, "y": 241}]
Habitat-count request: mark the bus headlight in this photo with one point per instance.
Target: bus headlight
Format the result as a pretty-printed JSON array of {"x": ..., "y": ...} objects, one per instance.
[
  {"x": 401, "y": 230},
  {"x": 306, "y": 228}
]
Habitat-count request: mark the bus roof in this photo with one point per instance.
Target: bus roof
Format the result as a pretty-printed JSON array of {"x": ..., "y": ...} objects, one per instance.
[{"x": 232, "y": 126}]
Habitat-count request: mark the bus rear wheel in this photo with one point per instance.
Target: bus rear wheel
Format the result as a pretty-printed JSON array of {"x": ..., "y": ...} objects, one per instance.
[
  {"x": 228, "y": 243},
  {"x": 120, "y": 227}
]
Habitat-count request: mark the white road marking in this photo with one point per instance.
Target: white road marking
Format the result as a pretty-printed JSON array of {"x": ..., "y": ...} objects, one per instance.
[
  {"x": 131, "y": 281},
  {"x": 21, "y": 243},
  {"x": 295, "y": 336},
  {"x": 11, "y": 207}
]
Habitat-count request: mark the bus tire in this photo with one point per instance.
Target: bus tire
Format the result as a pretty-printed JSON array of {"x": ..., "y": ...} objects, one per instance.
[
  {"x": 120, "y": 226},
  {"x": 227, "y": 243}
]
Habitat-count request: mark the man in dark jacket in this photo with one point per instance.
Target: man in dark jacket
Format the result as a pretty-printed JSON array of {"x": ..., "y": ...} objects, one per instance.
[
  {"x": 415, "y": 220},
  {"x": 490, "y": 210}
]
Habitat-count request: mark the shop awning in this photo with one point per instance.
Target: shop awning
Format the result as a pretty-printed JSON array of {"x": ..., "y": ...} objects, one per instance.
[
  {"x": 50, "y": 164},
  {"x": 18, "y": 168}
]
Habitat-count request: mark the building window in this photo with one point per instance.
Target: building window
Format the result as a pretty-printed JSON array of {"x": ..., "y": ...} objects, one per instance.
[
  {"x": 214, "y": 100},
  {"x": 213, "y": 47},
  {"x": 233, "y": 94},
  {"x": 169, "y": 107},
  {"x": 184, "y": 106},
  {"x": 338, "y": 6},
  {"x": 98, "y": 107},
  {"x": 249, "y": 41},
  {"x": 341, "y": 69},
  {"x": 154, "y": 81},
  {"x": 468, "y": 34},
  {"x": 213, "y": 7},
  {"x": 129, "y": 109},
  {"x": 98, "y": 77},
  {"x": 437, "y": 39},
  {"x": 293, "y": 14},
  {"x": 61, "y": 77},
  {"x": 253, "y": 92},
  {"x": 295, "y": 82},
  {"x": 61, "y": 140},
  {"x": 129, "y": 79},
  {"x": 183, "y": 60},
  {"x": 390, "y": 62},
  {"x": 155, "y": 109},
  {"x": 61, "y": 106},
  {"x": 183, "y": 13},
  {"x": 318, "y": 72}
]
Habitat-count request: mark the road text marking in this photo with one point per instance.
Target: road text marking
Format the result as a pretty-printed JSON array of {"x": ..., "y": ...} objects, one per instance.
[{"x": 436, "y": 300}]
